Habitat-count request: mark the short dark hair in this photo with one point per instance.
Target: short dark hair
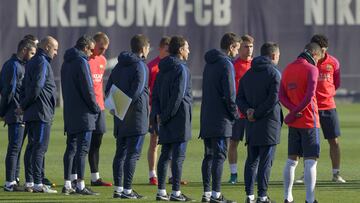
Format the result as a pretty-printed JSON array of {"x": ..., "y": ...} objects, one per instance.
[
  {"x": 83, "y": 42},
  {"x": 31, "y": 37},
  {"x": 228, "y": 39},
  {"x": 269, "y": 48},
  {"x": 247, "y": 38},
  {"x": 321, "y": 40},
  {"x": 26, "y": 44},
  {"x": 176, "y": 42},
  {"x": 101, "y": 36},
  {"x": 312, "y": 48},
  {"x": 138, "y": 42},
  {"x": 165, "y": 41}
]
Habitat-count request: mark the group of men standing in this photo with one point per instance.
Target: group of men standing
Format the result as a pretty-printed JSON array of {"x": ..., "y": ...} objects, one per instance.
[{"x": 238, "y": 96}]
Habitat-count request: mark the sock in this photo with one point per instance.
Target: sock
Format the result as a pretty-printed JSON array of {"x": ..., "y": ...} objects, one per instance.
[
  {"x": 263, "y": 199},
  {"x": 162, "y": 192},
  {"x": 67, "y": 184},
  {"x": 251, "y": 197},
  {"x": 95, "y": 176},
  {"x": 169, "y": 172},
  {"x": 233, "y": 168},
  {"x": 152, "y": 173},
  {"x": 335, "y": 171},
  {"x": 176, "y": 193},
  {"x": 127, "y": 191},
  {"x": 310, "y": 179},
  {"x": 289, "y": 176},
  {"x": 207, "y": 194},
  {"x": 80, "y": 184},
  {"x": 215, "y": 194},
  {"x": 29, "y": 184},
  {"x": 118, "y": 189},
  {"x": 73, "y": 177}
]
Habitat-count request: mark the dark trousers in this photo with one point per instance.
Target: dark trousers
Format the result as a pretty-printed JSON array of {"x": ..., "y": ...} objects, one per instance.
[
  {"x": 38, "y": 141},
  {"x": 77, "y": 147},
  {"x": 174, "y": 152},
  {"x": 15, "y": 136},
  {"x": 128, "y": 151},
  {"x": 213, "y": 162},
  {"x": 94, "y": 156},
  {"x": 259, "y": 162}
]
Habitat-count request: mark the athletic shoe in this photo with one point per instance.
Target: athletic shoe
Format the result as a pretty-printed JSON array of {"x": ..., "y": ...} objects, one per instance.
[
  {"x": 205, "y": 199},
  {"x": 100, "y": 182},
  {"x": 17, "y": 181},
  {"x": 266, "y": 201},
  {"x": 44, "y": 189},
  {"x": 13, "y": 188},
  {"x": 182, "y": 182},
  {"x": 28, "y": 189},
  {"x": 86, "y": 191},
  {"x": 233, "y": 178},
  {"x": 153, "y": 181},
  {"x": 162, "y": 197},
  {"x": 68, "y": 191},
  {"x": 180, "y": 198},
  {"x": 117, "y": 194},
  {"x": 313, "y": 202},
  {"x": 300, "y": 180},
  {"x": 73, "y": 183},
  {"x": 221, "y": 199},
  {"x": 286, "y": 201},
  {"x": 337, "y": 178},
  {"x": 47, "y": 182},
  {"x": 248, "y": 200},
  {"x": 132, "y": 195}
]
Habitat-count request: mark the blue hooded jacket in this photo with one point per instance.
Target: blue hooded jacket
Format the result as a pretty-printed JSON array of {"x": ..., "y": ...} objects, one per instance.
[
  {"x": 131, "y": 76},
  {"x": 80, "y": 107},
  {"x": 172, "y": 100}
]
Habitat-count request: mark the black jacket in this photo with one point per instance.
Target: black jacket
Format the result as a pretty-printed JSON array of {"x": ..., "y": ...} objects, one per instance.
[
  {"x": 172, "y": 100},
  {"x": 80, "y": 107},
  {"x": 131, "y": 76},
  {"x": 39, "y": 89},
  {"x": 11, "y": 76},
  {"x": 218, "y": 107},
  {"x": 259, "y": 89}
]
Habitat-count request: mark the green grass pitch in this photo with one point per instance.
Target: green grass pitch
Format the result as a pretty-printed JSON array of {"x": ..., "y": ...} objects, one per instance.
[{"x": 326, "y": 191}]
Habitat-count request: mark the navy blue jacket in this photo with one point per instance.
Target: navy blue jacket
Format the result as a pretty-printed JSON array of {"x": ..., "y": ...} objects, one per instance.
[
  {"x": 259, "y": 89},
  {"x": 40, "y": 90},
  {"x": 80, "y": 107},
  {"x": 11, "y": 77},
  {"x": 172, "y": 100},
  {"x": 131, "y": 76},
  {"x": 218, "y": 107}
]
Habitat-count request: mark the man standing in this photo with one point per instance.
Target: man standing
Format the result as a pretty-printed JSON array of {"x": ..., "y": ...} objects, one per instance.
[
  {"x": 38, "y": 107},
  {"x": 241, "y": 65},
  {"x": 171, "y": 107},
  {"x": 11, "y": 77},
  {"x": 218, "y": 113},
  {"x": 258, "y": 99},
  {"x": 297, "y": 93},
  {"x": 131, "y": 76},
  {"x": 80, "y": 111}
]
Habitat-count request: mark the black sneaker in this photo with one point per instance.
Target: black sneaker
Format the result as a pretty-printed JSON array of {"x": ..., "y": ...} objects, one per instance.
[
  {"x": 221, "y": 199},
  {"x": 180, "y": 198},
  {"x": 86, "y": 191},
  {"x": 68, "y": 191},
  {"x": 205, "y": 199},
  {"x": 73, "y": 183},
  {"x": 17, "y": 181},
  {"x": 162, "y": 197},
  {"x": 132, "y": 195},
  {"x": 313, "y": 202},
  {"x": 248, "y": 200},
  {"x": 117, "y": 195},
  {"x": 287, "y": 201},
  {"x": 266, "y": 201},
  {"x": 47, "y": 182},
  {"x": 13, "y": 188}
]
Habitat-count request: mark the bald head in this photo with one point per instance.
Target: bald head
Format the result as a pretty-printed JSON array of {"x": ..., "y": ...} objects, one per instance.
[{"x": 49, "y": 45}]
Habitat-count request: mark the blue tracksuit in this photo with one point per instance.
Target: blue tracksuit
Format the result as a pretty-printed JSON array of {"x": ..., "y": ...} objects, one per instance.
[
  {"x": 172, "y": 102},
  {"x": 131, "y": 76},
  {"x": 259, "y": 90}
]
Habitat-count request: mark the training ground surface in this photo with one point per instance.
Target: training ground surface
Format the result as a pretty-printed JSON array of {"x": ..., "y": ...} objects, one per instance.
[{"x": 326, "y": 191}]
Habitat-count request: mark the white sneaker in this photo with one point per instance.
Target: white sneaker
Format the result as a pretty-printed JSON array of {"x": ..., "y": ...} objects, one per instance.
[
  {"x": 300, "y": 180},
  {"x": 337, "y": 178},
  {"x": 44, "y": 189}
]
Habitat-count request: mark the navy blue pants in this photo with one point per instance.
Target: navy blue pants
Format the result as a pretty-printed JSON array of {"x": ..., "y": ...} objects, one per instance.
[
  {"x": 128, "y": 151},
  {"x": 174, "y": 152},
  {"x": 258, "y": 163},
  {"x": 15, "y": 136},
  {"x": 77, "y": 147},
  {"x": 213, "y": 162},
  {"x": 38, "y": 141}
]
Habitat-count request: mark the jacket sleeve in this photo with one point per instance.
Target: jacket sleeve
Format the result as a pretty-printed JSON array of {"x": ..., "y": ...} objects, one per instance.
[
  {"x": 109, "y": 84},
  {"x": 229, "y": 90},
  {"x": 9, "y": 77},
  {"x": 155, "y": 102},
  {"x": 241, "y": 102},
  {"x": 337, "y": 79},
  {"x": 86, "y": 86},
  {"x": 138, "y": 84},
  {"x": 37, "y": 78},
  {"x": 272, "y": 99},
  {"x": 178, "y": 92}
]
